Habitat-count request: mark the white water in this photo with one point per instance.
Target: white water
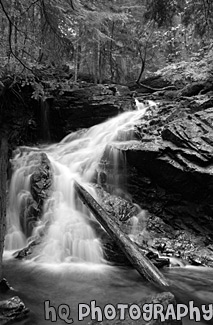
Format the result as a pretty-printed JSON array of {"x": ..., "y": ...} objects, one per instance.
[{"x": 66, "y": 232}]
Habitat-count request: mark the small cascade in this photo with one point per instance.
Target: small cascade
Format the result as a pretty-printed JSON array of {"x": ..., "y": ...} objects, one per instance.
[
  {"x": 114, "y": 169},
  {"x": 64, "y": 227},
  {"x": 140, "y": 106},
  {"x": 18, "y": 195},
  {"x": 138, "y": 225}
]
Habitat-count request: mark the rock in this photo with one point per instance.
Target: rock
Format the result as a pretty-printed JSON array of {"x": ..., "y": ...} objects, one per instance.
[
  {"x": 4, "y": 286},
  {"x": 78, "y": 106},
  {"x": 24, "y": 252},
  {"x": 170, "y": 174},
  {"x": 159, "y": 262},
  {"x": 122, "y": 211},
  {"x": 41, "y": 180},
  {"x": 12, "y": 310},
  {"x": 40, "y": 189},
  {"x": 87, "y": 106},
  {"x": 192, "y": 89},
  {"x": 164, "y": 298}
]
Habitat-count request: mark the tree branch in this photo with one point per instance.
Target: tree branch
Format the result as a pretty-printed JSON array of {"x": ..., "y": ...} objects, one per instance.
[
  {"x": 10, "y": 36},
  {"x": 48, "y": 21},
  {"x": 12, "y": 23},
  {"x": 32, "y": 4}
]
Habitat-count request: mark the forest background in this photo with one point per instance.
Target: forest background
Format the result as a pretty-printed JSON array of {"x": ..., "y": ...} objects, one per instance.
[{"x": 113, "y": 41}]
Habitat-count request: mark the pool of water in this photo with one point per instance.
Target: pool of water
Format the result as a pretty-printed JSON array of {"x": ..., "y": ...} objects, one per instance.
[{"x": 72, "y": 284}]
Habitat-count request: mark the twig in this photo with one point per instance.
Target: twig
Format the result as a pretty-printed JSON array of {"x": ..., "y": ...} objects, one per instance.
[
  {"x": 19, "y": 30},
  {"x": 10, "y": 36},
  {"x": 32, "y": 4}
]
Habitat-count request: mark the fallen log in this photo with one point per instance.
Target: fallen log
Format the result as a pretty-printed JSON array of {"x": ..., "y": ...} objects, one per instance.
[
  {"x": 137, "y": 259},
  {"x": 156, "y": 89}
]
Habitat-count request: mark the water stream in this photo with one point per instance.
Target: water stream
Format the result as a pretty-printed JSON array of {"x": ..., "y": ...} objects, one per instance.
[
  {"x": 68, "y": 266},
  {"x": 71, "y": 284},
  {"x": 69, "y": 235}
]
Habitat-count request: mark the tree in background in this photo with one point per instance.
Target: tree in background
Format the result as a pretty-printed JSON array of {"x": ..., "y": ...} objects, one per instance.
[
  {"x": 102, "y": 41},
  {"x": 114, "y": 41}
]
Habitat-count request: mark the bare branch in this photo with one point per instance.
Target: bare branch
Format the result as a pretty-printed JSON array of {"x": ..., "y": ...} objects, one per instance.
[
  {"x": 10, "y": 35},
  {"x": 12, "y": 23},
  {"x": 32, "y": 4}
]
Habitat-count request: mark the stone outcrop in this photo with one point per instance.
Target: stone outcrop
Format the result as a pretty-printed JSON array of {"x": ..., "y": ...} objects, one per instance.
[
  {"x": 87, "y": 106},
  {"x": 170, "y": 174},
  {"x": 82, "y": 105},
  {"x": 40, "y": 189}
]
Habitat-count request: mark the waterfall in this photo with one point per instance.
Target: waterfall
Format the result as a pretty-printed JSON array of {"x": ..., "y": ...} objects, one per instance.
[{"x": 65, "y": 224}]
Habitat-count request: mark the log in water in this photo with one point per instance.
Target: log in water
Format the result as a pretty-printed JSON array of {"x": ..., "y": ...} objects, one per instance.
[{"x": 138, "y": 260}]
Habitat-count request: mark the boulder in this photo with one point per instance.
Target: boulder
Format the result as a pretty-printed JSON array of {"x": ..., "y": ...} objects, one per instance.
[
  {"x": 192, "y": 89},
  {"x": 164, "y": 298},
  {"x": 4, "y": 286},
  {"x": 12, "y": 310}
]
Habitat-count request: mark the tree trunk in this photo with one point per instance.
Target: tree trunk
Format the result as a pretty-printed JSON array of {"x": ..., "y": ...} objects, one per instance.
[
  {"x": 76, "y": 63},
  {"x": 111, "y": 51},
  {"x": 96, "y": 62},
  {"x": 77, "y": 59},
  {"x": 141, "y": 71},
  {"x": 138, "y": 260},
  {"x": 143, "y": 62},
  {"x": 100, "y": 59},
  {"x": 3, "y": 180}
]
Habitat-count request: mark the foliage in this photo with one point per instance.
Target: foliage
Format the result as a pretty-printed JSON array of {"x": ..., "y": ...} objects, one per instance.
[
  {"x": 188, "y": 71},
  {"x": 105, "y": 41}
]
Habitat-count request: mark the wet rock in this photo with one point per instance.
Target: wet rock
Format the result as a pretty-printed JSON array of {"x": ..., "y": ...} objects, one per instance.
[
  {"x": 40, "y": 189},
  {"x": 12, "y": 310},
  {"x": 86, "y": 106},
  {"x": 122, "y": 211},
  {"x": 26, "y": 251},
  {"x": 157, "y": 261},
  {"x": 164, "y": 298},
  {"x": 77, "y": 106},
  {"x": 170, "y": 174},
  {"x": 4, "y": 286},
  {"x": 41, "y": 180}
]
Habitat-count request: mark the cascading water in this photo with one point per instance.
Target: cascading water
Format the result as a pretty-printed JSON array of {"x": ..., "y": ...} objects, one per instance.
[
  {"x": 66, "y": 234},
  {"x": 64, "y": 229}
]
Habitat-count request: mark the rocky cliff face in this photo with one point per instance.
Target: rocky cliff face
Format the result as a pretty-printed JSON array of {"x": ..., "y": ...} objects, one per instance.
[
  {"x": 31, "y": 121},
  {"x": 170, "y": 174},
  {"x": 169, "y": 165},
  {"x": 87, "y": 106}
]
